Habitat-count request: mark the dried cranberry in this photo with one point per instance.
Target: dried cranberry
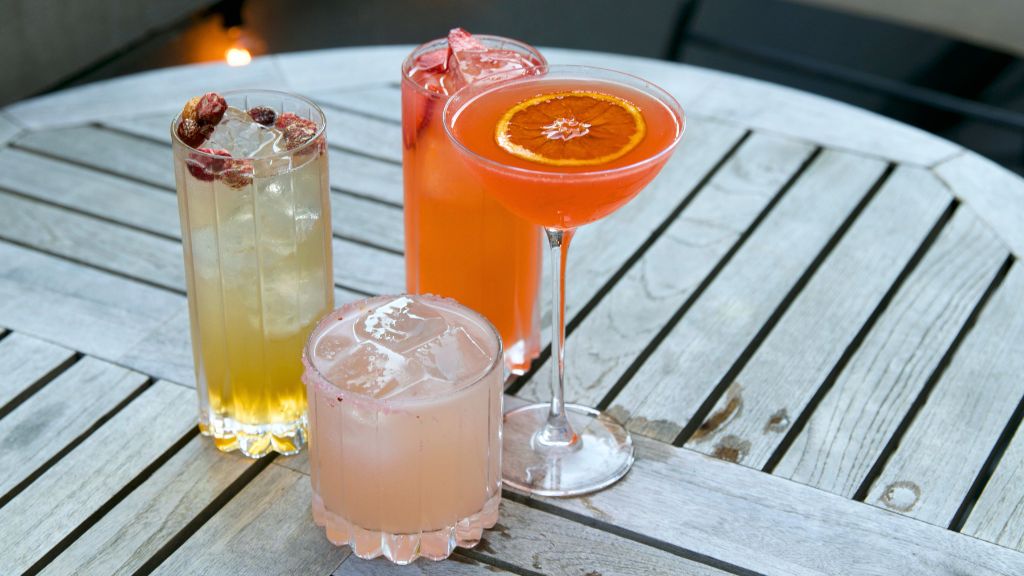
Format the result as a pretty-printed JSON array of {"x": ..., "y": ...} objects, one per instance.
[
  {"x": 237, "y": 174},
  {"x": 211, "y": 109},
  {"x": 191, "y": 134},
  {"x": 298, "y": 133},
  {"x": 204, "y": 167},
  {"x": 262, "y": 115},
  {"x": 286, "y": 119},
  {"x": 189, "y": 112}
]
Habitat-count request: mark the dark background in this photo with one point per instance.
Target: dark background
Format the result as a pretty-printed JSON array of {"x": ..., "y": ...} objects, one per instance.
[{"x": 968, "y": 93}]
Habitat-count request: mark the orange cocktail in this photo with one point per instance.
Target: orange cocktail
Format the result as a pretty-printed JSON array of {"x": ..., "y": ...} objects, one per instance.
[
  {"x": 461, "y": 242},
  {"x": 563, "y": 146}
]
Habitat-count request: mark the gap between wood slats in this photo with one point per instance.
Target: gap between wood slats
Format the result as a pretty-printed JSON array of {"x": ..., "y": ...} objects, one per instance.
[
  {"x": 709, "y": 403},
  {"x": 989, "y": 468},
  {"x": 348, "y": 110},
  {"x": 644, "y": 539},
  {"x": 606, "y": 288},
  {"x": 204, "y": 515},
  {"x": 678, "y": 315},
  {"x": 74, "y": 442},
  {"x": 38, "y": 385},
  {"x": 801, "y": 421},
  {"x": 922, "y": 398},
  {"x": 109, "y": 505},
  {"x": 475, "y": 555},
  {"x": 171, "y": 190},
  {"x": 4, "y": 333}
]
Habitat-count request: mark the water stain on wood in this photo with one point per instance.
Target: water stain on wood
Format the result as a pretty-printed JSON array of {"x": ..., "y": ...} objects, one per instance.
[
  {"x": 589, "y": 505},
  {"x": 536, "y": 561},
  {"x": 777, "y": 422},
  {"x": 718, "y": 418},
  {"x": 593, "y": 573},
  {"x": 731, "y": 448},
  {"x": 901, "y": 496}
]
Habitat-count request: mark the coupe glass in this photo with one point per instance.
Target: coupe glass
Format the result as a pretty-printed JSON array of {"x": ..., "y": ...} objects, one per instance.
[{"x": 559, "y": 449}]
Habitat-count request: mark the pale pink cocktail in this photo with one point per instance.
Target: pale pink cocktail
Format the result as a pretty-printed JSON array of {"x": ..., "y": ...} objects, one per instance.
[{"x": 405, "y": 403}]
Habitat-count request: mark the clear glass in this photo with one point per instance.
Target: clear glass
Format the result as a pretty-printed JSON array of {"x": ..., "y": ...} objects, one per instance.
[
  {"x": 491, "y": 260},
  {"x": 412, "y": 474},
  {"x": 554, "y": 448},
  {"x": 259, "y": 272}
]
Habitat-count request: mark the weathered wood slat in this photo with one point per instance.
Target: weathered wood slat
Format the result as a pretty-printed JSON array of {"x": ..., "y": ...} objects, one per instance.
[
  {"x": 364, "y": 135},
  {"x": 88, "y": 191},
  {"x": 542, "y": 542},
  {"x": 609, "y": 340},
  {"x": 998, "y": 515},
  {"x": 384, "y": 102},
  {"x": 995, "y": 193},
  {"x": 367, "y": 177},
  {"x": 8, "y": 129},
  {"x": 94, "y": 242},
  {"x": 848, "y": 430},
  {"x": 949, "y": 440},
  {"x": 138, "y": 526},
  {"x": 76, "y": 486},
  {"x": 87, "y": 310},
  {"x": 265, "y": 529},
  {"x": 23, "y": 361},
  {"x": 776, "y": 527},
  {"x": 750, "y": 421},
  {"x": 48, "y": 421},
  {"x": 368, "y": 269},
  {"x": 689, "y": 363}
]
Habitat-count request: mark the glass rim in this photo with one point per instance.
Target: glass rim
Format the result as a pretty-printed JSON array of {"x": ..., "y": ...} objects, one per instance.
[
  {"x": 322, "y": 379},
  {"x": 409, "y": 59},
  {"x": 321, "y": 129},
  {"x": 659, "y": 93}
]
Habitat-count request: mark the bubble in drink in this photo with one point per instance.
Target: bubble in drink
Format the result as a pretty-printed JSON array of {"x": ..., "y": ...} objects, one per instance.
[{"x": 405, "y": 414}]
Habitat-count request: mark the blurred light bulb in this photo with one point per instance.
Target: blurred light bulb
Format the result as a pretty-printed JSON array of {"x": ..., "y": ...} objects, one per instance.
[{"x": 237, "y": 56}]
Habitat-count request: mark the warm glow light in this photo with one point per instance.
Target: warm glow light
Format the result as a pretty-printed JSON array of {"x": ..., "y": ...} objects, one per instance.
[{"x": 237, "y": 56}]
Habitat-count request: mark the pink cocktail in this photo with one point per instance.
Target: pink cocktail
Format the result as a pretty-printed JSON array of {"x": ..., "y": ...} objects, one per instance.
[{"x": 405, "y": 397}]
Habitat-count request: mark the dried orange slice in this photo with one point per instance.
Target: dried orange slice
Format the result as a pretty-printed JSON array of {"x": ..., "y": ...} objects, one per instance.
[{"x": 577, "y": 128}]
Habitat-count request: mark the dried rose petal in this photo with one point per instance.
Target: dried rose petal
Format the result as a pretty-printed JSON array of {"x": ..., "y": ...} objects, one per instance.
[
  {"x": 298, "y": 133},
  {"x": 237, "y": 174},
  {"x": 211, "y": 109},
  {"x": 206, "y": 168},
  {"x": 262, "y": 115}
]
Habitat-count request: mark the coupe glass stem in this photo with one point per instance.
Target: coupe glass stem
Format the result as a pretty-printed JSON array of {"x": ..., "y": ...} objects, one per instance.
[{"x": 557, "y": 432}]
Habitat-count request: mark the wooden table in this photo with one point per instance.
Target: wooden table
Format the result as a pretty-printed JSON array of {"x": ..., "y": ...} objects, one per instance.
[{"x": 813, "y": 322}]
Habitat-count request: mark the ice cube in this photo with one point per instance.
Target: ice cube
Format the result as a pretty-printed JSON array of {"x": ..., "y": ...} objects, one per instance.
[
  {"x": 453, "y": 356},
  {"x": 333, "y": 343},
  {"x": 401, "y": 324},
  {"x": 373, "y": 370},
  {"x": 242, "y": 137},
  {"x": 468, "y": 66}
]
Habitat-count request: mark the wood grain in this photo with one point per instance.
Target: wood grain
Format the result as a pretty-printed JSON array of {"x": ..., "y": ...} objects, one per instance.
[
  {"x": 773, "y": 526},
  {"x": 265, "y": 529},
  {"x": 456, "y": 565},
  {"x": 127, "y": 536},
  {"x": 382, "y": 102},
  {"x": 995, "y": 193},
  {"x": 949, "y": 440},
  {"x": 848, "y": 430},
  {"x": 84, "y": 239},
  {"x": 608, "y": 341},
  {"x": 363, "y": 134},
  {"x": 368, "y": 269},
  {"x": 802, "y": 349},
  {"x": 998, "y": 515},
  {"x": 8, "y": 129},
  {"x": 47, "y": 422},
  {"x": 84, "y": 190},
  {"x": 23, "y": 361},
  {"x": 62, "y": 498},
  {"x": 688, "y": 364}
]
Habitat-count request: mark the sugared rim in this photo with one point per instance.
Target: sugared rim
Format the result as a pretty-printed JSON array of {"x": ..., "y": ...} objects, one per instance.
[
  {"x": 443, "y": 42},
  {"x": 321, "y": 127},
  {"x": 328, "y": 319},
  {"x": 656, "y": 91}
]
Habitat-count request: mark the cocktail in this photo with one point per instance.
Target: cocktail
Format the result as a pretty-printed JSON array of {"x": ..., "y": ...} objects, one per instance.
[
  {"x": 459, "y": 241},
  {"x": 251, "y": 171},
  {"x": 405, "y": 426},
  {"x": 563, "y": 146}
]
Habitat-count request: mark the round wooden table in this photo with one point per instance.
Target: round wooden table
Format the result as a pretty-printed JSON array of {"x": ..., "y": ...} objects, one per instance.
[{"x": 813, "y": 323}]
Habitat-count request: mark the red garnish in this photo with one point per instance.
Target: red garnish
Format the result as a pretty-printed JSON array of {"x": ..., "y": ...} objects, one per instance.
[
  {"x": 211, "y": 109},
  {"x": 192, "y": 134},
  {"x": 459, "y": 39},
  {"x": 237, "y": 174},
  {"x": 204, "y": 167},
  {"x": 263, "y": 115}
]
